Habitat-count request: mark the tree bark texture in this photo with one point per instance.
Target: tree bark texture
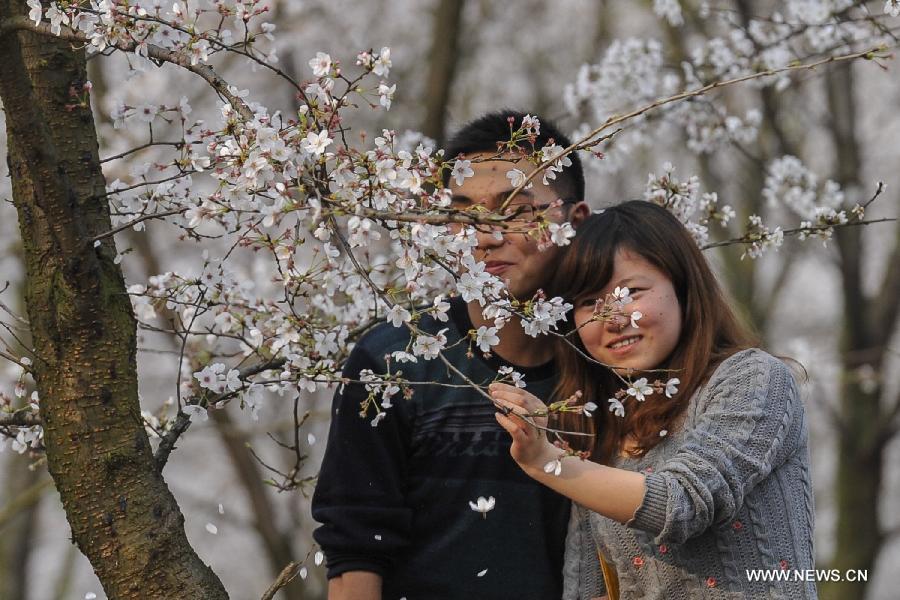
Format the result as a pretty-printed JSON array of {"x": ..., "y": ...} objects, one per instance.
[
  {"x": 867, "y": 328},
  {"x": 122, "y": 515}
]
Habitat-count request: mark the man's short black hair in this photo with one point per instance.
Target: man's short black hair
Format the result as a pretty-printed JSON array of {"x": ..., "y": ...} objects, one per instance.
[{"x": 483, "y": 133}]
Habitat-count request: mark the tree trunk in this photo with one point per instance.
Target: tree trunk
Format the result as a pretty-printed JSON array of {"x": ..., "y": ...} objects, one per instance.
[
  {"x": 122, "y": 515},
  {"x": 859, "y": 452},
  {"x": 443, "y": 60}
]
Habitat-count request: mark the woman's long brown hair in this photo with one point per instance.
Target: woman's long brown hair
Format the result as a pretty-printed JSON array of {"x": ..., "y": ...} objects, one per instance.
[{"x": 710, "y": 331}]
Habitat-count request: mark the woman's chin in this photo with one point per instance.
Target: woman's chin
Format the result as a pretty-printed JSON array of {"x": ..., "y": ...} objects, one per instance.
[{"x": 632, "y": 369}]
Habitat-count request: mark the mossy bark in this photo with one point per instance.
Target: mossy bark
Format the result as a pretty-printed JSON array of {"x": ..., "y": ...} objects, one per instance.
[{"x": 122, "y": 515}]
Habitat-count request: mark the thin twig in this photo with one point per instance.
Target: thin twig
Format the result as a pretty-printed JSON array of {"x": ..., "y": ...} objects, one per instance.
[
  {"x": 747, "y": 239},
  {"x": 285, "y": 577},
  {"x": 12, "y": 358},
  {"x": 20, "y": 319},
  {"x": 133, "y": 222},
  {"x": 138, "y": 149}
]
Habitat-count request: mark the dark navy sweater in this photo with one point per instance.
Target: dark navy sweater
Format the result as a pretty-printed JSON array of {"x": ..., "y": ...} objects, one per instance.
[{"x": 394, "y": 499}]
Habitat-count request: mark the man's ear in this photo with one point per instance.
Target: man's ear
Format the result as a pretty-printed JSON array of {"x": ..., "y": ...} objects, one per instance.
[{"x": 579, "y": 213}]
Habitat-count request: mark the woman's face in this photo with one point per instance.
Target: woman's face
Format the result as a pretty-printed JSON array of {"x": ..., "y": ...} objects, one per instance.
[{"x": 618, "y": 343}]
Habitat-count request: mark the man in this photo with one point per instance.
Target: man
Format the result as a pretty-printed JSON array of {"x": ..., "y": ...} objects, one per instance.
[{"x": 394, "y": 500}]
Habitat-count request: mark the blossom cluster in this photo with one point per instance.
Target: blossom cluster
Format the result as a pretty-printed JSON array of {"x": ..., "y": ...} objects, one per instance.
[
  {"x": 694, "y": 209},
  {"x": 634, "y": 72},
  {"x": 354, "y": 235},
  {"x": 21, "y": 439}
]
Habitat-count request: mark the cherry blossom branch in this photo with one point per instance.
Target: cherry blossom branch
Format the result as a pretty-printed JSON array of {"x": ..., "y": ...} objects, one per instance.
[
  {"x": 753, "y": 237},
  {"x": 466, "y": 218},
  {"x": 178, "y": 175},
  {"x": 588, "y": 140},
  {"x": 133, "y": 222},
  {"x": 234, "y": 48},
  {"x": 183, "y": 420},
  {"x": 528, "y": 417},
  {"x": 138, "y": 149},
  {"x": 158, "y": 53},
  {"x": 13, "y": 359},
  {"x": 449, "y": 364},
  {"x": 878, "y": 191},
  {"x": 22, "y": 320}
]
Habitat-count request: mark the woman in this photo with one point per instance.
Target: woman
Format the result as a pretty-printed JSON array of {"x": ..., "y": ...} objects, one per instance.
[{"x": 685, "y": 496}]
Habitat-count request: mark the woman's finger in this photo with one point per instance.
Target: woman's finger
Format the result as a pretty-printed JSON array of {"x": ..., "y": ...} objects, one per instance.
[
  {"x": 512, "y": 409},
  {"x": 513, "y": 428},
  {"x": 512, "y": 398},
  {"x": 517, "y": 396},
  {"x": 503, "y": 387}
]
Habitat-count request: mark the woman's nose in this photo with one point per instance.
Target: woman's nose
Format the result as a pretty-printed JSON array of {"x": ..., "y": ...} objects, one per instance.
[{"x": 616, "y": 323}]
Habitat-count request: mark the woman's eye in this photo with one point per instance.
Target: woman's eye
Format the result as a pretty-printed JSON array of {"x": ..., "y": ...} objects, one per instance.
[{"x": 587, "y": 302}]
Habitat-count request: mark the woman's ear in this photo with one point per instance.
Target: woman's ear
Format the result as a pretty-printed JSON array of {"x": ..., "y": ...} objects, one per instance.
[{"x": 579, "y": 213}]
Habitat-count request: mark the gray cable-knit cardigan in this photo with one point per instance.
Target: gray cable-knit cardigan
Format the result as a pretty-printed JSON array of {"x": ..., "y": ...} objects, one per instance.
[{"x": 727, "y": 492}]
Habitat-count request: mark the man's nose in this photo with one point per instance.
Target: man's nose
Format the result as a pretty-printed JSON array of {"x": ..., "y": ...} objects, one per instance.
[{"x": 489, "y": 237}]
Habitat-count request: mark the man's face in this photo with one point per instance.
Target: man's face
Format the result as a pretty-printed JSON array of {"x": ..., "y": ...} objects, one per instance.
[{"x": 514, "y": 257}]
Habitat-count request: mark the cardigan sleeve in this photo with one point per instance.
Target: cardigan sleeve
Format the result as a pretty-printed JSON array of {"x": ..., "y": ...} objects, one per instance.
[
  {"x": 746, "y": 417},
  {"x": 582, "y": 576}
]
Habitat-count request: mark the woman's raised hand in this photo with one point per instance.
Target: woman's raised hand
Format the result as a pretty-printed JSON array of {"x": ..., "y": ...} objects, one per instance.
[{"x": 530, "y": 447}]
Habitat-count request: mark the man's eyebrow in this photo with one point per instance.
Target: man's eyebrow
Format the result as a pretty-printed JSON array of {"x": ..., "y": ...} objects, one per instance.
[
  {"x": 503, "y": 195},
  {"x": 498, "y": 197}
]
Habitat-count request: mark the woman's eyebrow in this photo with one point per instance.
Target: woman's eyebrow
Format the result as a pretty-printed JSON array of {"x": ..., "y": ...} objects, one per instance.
[{"x": 626, "y": 281}]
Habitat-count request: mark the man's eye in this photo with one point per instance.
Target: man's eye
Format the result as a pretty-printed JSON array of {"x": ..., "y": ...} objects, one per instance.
[{"x": 521, "y": 210}]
